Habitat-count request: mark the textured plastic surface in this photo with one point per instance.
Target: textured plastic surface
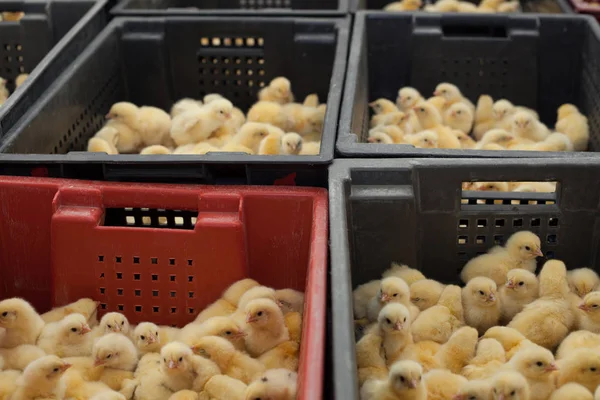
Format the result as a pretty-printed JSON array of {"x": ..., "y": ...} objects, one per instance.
[
  {"x": 62, "y": 240},
  {"x": 232, "y": 7},
  {"x": 528, "y": 6},
  {"x": 585, "y": 7},
  {"x": 536, "y": 61},
  {"x": 157, "y": 61},
  {"x": 28, "y": 46},
  {"x": 414, "y": 212}
]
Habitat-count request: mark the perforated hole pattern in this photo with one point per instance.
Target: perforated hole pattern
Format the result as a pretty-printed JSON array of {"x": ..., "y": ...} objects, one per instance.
[
  {"x": 150, "y": 218},
  {"x": 12, "y": 62},
  {"x": 485, "y": 75},
  {"x": 257, "y": 4}
]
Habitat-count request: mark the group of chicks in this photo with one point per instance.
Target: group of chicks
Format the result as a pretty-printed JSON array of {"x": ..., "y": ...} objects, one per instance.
[
  {"x": 485, "y": 6},
  {"x": 449, "y": 120},
  {"x": 4, "y": 92},
  {"x": 274, "y": 125},
  {"x": 244, "y": 346},
  {"x": 506, "y": 335}
]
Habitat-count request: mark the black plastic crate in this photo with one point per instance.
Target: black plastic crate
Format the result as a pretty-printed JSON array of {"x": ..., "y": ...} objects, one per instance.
[
  {"x": 157, "y": 61},
  {"x": 538, "y": 61},
  {"x": 528, "y": 6},
  {"x": 28, "y": 46},
  {"x": 415, "y": 212},
  {"x": 233, "y": 7}
]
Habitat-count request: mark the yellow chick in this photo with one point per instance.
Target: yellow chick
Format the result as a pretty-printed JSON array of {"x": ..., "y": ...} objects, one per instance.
[
  {"x": 582, "y": 281},
  {"x": 459, "y": 116},
  {"x": 41, "y": 379},
  {"x": 98, "y": 145},
  {"x": 572, "y": 391},
  {"x": 271, "y": 144},
  {"x": 378, "y": 137},
  {"x": 553, "y": 142},
  {"x": 442, "y": 384},
  {"x": 182, "y": 370},
  {"x": 426, "y": 139},
  {"x": 22, "y": 323},
  {"x": 452, "y": 95},
  {"x": 223, "y": 387},
  {"x": 480, "y": 303},
  {"x": 503, "y": 112},
  {"x": 404, "y": 5},
  {"x": 224, "y": 327},
  {"x": 511, "y": 340},
  {"x": 133, "y": 130},
  {"x": 573, "y": 124},
  {"x": 383, "y": 106},
  {"x": 589, "y": 319},
  {"x": 437, "y": 323},
  {"x": 77, "y": 387},
  {"x": 524, "y": 125},
  {"x": 362, "y": 295},
  {"x": 580, "y": 366},
  {"x": 547, "y": 320},
  {"x": 67, "y": 338},
  {"x": 510, "y": 385},
  {"x": 425, "y": 293},
  {"x": 310, "y": 149},
  {"x": 498, "y": 137},
  {"x": 112, "y": 322},
  {"x": 284, "y": 355},
  {"x": 278, "y": 91},
  {"x": 228, "y": 302},
  {"x": 488, "y": 360},
  {"x": 19, "y": 80},
  {"x": 537, "y": 365},
  {"x": 404, "y": 272},
  {"x": 370, "y": 358},
  {"x": 86, "y": 307},
  {"x": 466, "y": 141},
  {"x": 153, "y": 125},
  {"x": 484, "y": 116},
  {"x": 184, "y": 105},
  {"x": 118, "y": 357},
  {"x": 275, "y": 384},
  {"x": 150, "y": 338},
  {"x": 18, "y": 358},
  {"x": 265, "y": 326},
  {"x": 8, "y": 383},
  {"x": 395, "y": 133},
  {"x": 424, "y": 353},
  {"x": 577, "y": 340},
  {"x": 408, "y": 97},
  {"x": 405, "y": 381},
  {"x": 154, "y": 150},
  {"x": 391, "y": 290},
  {"x": 466, "y": 7},
  {"x": 293, "y": 323},
  {"x": 251, "y": 134},
  {"x": 291, "y": 143},
  {"x": 194, "y": 126},
  {"x": 312, "y": 100},
  {"x": 520, "y": 251},
  {"x": 4, "y": 93},
  {"x": 458, "y": 351},
  {"x": 230, "y": 361},
  {"x": 290, "y": 300},
  {"x": 268, "y": 112},
  {"x": 521, "y": 288},
  {"x": 430, "y": 119},
  {"x": 108, "y": 396},
  {"x": 475, "y": 390},
  {"x": 393, "y": 325}
]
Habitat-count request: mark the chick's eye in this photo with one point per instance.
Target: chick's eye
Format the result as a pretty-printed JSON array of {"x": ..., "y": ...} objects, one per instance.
[
  {"x": 539, "y": 363},
  {"x": 228, "y": 333},
  {"x": 143, "y": 337},
  {"x": 481, "y": 292},
  {"x": 513, "y": 393},
  {"x": 122, "y": 322},
  {"x": 109, "y": 327},
  {"x": 388, "y": 321},
  {"x": 260, "y": 313},
  {"x": 521, "y": 283},
  {"x": 109, "y": 356},
  {"x": 593, "y": 369},
  {"x": 395, "y": 294},
  {"x": 180, "y": 359},
  {"x": 73, "y": 329},
  {"x": 527, "y": 248},
  {"x": 402, "y": 379},
  {"x": 404, "y": 319},
  {"x": 55, "y": 370},
  {"x": 4, "y": 314}
]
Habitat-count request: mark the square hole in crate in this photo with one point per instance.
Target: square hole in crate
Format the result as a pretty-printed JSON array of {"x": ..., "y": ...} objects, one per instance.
[
  {"x": 155, "y": 309},
  {"x": 138, "y": 309},
  {"x": 518, "y": 222},
  {"x": 120, "y": 307},
  {"x": 119, "y": 275},
  {"x": 103, "y": 306},
  {"x": 136, "y": 260},
  {"x": 101, "y": 275},
  {"x": 173, "y": 294},
  {"x": 499, "y": 222},
  {"x": 191, "y": 295},
  {"x": 137, "y": 292},
  {"x": 553, "y": 222},
  {"x": 498, "y": 240},
  {"x": 552, "y": 239},
  {"x": 535, "y": 222},
  {"x": 100, "y": 258},
  {"x": 171, "y": 261},
  {"x": 119, "y": 292},
  {"x": 154, "y": 260},
  {"x": 172, "y": 278},
  {"x": 480, "y": 240},
  {"x": 155, "y": 293},
  {"x": 190, "y": 262},
  {"x": 118, "y": 259},
  {"x": 481, "y": 223},
  {"x": 154, "y": 277},
  {"x": 137, "y": 277},
  {"x": 463, "y": 223},
  {"x": 190, "y": 278},
  {"x": 550, "y": 254},
  {"x": 190, "y": 310},
  {"x": 102, "y": 290},
  {"x": 173, "y": 310}
]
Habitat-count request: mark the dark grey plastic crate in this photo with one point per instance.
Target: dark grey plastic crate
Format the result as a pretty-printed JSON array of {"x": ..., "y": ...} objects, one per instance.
[
  {"x": 233, "y": 7},
  {"x": 156, "y": 61},
  {"x": 528, "y": 6},
  {"x": 28, "y": 46},
  {"x": 413, "y": 212},
  {"x": 538, "y": 61}
]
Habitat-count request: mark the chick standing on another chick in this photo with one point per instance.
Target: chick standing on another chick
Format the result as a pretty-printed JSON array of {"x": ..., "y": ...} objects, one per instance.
[
  {"x": 279, "y": 91},
  {"x": 481, "y": 304},
  {"x": 573, "y": 124},
  {"x": 537, "y": 365},
  {"x": 41, "y": 379},
  {"x": 521, "y": 288},
  {"x": 425, "y": 293},
  {"x": 22, "y": 323},
  {"x": 265, "y": 326},
  {"x": 405, "y": 381},
  {"x": 510, "y": 385},
  {"x": 520, "y": 251},
  {"x": 582, "y": 281},
  {"x": 275, "y": 384},
  {"x": 67, "y": 338},
  {"x": 184, "y": 105}
]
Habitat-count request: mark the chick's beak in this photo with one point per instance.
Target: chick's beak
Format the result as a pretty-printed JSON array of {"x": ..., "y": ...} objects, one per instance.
[
  {"x": 171, "y": 364},
  {"x": 412, "y": 384},
  {"x": 239, "y": 335},
  {"x": 65, "y": 367},
  {"x": 384, "y": 298},
  {"x": 436, "y": 93},
  {"x": 501, "y": 397},
  {"x": 398, "y": 326},
  {"x": 491, "y": 297},
  {"x": 85, "y": 329},
  {"x": 510, "y": 284},
  {"x": 583, "y": 307},
  {"x": 98, "y": 362},
  {"x": 552, "y": 367},
  {"x": 538, "y": 252},
  {"x": 108, "y": 116},
  {"x": 371, "y": 140},
  {"x": 250, "y": 319},
  {"x": 151, "y": 339},
  {"x": 458, "y": 397}
]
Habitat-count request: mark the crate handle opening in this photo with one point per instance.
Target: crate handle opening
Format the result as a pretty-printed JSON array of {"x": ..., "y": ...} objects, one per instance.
[
  {"x": 133, "y": 217},
  {"x": 508, "y": 193},
  {"x": 452, "y": 30}
]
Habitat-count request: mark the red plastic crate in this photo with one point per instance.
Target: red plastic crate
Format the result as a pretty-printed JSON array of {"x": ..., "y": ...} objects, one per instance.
[
  {"x": 584, "y": 7},
  {"x": 164, "y": 252}
]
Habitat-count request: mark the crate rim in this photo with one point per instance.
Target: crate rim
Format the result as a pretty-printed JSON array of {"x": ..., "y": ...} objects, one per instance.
[
  {"x": 347, "y": 147},
  {"x": 327, "y": 152}
]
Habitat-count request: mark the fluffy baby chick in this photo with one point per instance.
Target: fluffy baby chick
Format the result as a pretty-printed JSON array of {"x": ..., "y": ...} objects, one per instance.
[
  {"x": 499, "y": 137},
  {"x": 424, "y": 353},
  {"x": 98, "y": 145},
  {"x": 182, "y": 370},
  {"x": 521, "y": 288},
  {"x": 278, "y": 91},
  {"x": 430, "y": 119},
  {"x": 265, "y": 326},
  {"x": 231, "y": 361},
  {"x": 284, "y": 355},
  {"x": 224, "y": 327},
  {"x": 383, "y": 106},
  {"x": 391, "y": 290},
  {"x": 137, "y": 125},
  {"x": 425, "y": 293},
  {"x": 553, "y": 142},
  {"x": 509, "y": 7},
  {"x": 488, "y": 360},
  {"x": 153, "y": 125},
  {"x": 41, "y": 379},
  {"x": 194, "y": 126},
  {"x": 443, "y": 6},
  {"x": 291, "y": 143},
  {"x": 394, "y": 132},
  {"x": 112, "y": 322},
  {"x": 537, "y": 365},
  {"x": 86, "y": 307},
  {"x": 22, "y": 323},
  {"x": 18, "y": 358},
  {"x": 520, "y": 251},
  {"x": 311, "y": 100},
  {"x": 251, "y": 134},
  {"x": 452, "y": 95},
  {"x": 4, "y": 93},
  {"x": 426, "y": 139},
  {"x": 118, "y": 357},
  {"x": 580, "y": 366},
  {"x": 275, "y": 384},
  {"x": 149, "y": 338},
  {"x": 109, "y": 396},
  {"x": 524, "y": 125},
  {"x": 481, "y": 304},
  {"x": 184, "y": 105},
  {"x": 67, "y": 338},
  {"x": 268, "y": 112},
  {"x": 442, "y": 384},
  {"x": 370, "y": 358},
  {"x": 404, "y": 272},
  {"x": 393, "y": 325},
  {"x": 459, "y": 116},
  {"x": 582, "y": 281},
  {"x": 229, "y": 301},
  {"x": 437, "y": 323},
  {"x": 362, "y": 295},
  {"x": 589, "y": 319},
  {"x": 475, "y": 390},
  {"x": 222, "y": 387},
  {"x": 293, "y": 322},
  {"x": 257, "y": 292},
  {"x": 290, "y": 300},
  {"x": 310, "y": 148},
  {"x": 154, "y": 150},
  {"x": 19, "y": 80},
  {"x": 573, "y": 124},
  {"x": 456, "y": 353},
  {"x": 466, "y": 141},
  {"x": 548, "y": 320},
  {"x": 577, "y": 340},
  {"x": 511, "y": 340},
  {"x": 378, "y": 137},
  {"x": 404, "y": 5},
  {"x": 484, "y": 116},
  {"x": 510, "y": 385},
  {"x": 271, "y": 144},
  {"x": 405, "y": 381},
  {"x": 572, "y": 391},
  {"x": 408, "y": 97}
]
